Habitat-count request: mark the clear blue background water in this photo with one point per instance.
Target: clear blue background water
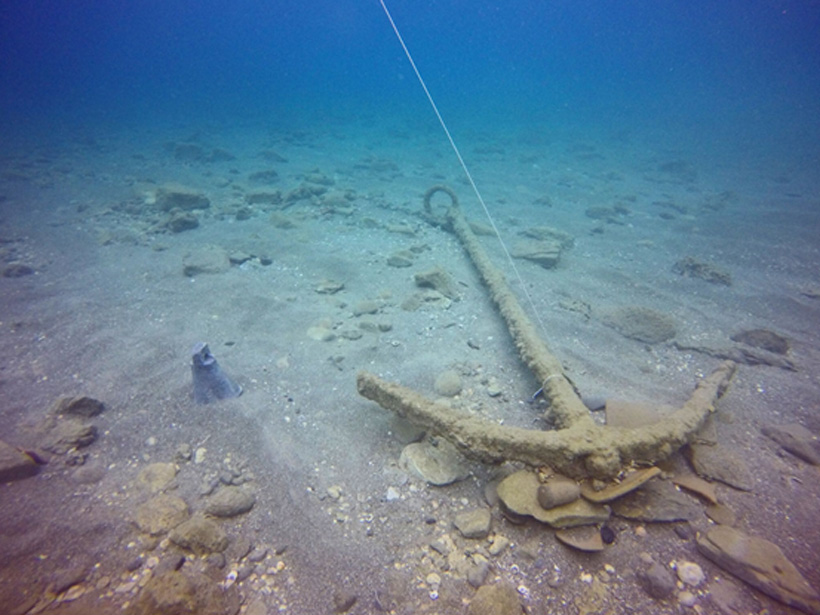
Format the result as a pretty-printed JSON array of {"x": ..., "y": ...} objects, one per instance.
[{"x": 742, "y": 67}]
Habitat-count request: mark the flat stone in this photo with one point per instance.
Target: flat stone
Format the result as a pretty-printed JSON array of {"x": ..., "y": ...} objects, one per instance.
[
  {"x": 177, "y": 593},
  {"x": 437, "y": 279},
  {"x": 519, "y": 494},
  {"x": 557, "y": 491},
  {"x": 77, "y": 405},
  {"x": 657, "y": 502},
  {"x": 721, "y": 514},
  {"x": 796, "y": 439},
  {"x": 15, "y": 464},
  {"x": 230, "y": 501},
  {"x": 696, "y": 485},
  {"x": 618, "y": 490},
  {"x": 161, "y": 514},
  {"x": 439, "y": 464},
  {"x": 716, "y": 462},
  {"x": 200, "y": 535},
  {"x": 206, "y": 260},
  {"x": 763, "y": 339},
  {"x": 761, "y": 564},
  {"x": 62, "y": 434},
  {"x": 586, "y": 538},
  {"x": 474, "y": 523},
  {"x": 498, "y": 599},
  {"x": 176, "y": 196},
  {"x": 545, "y": 253},
  {"x": 641, "y": 324}
]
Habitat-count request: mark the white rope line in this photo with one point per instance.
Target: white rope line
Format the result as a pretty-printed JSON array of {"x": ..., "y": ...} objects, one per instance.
[{"x": 464, "y": 166}]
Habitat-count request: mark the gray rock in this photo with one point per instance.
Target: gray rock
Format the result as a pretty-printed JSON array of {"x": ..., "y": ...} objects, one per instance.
[
  {"x": 657, "y": 581},
  {"x": 229, "y": 502},
  {"x": 200, "y": 535},
  {"x": 439, "y": 464},
  {"x": 161, "y": 514},
  {"x": 717, "y": 462},
  {"x": 641, "y": 324},
  {"x": 61, "y": 435},
  {"x": 448, "y": 383},
  {"x": 205, "y": 260},
  {"x": 175, "y": 196},
  {"x": 77, "y": 405},
  {"x": 438, "y": 279},
  {"x": 15, "y": 464},
  {"x": 796, "y": 439},
  {"x": 473, "y": 523},
  {"x": 478, "y": 573},
  {"x": 498, "y": 599},
  {"x": 657, "y": 502},
  {"x": 558, "y": 491},
  {"x": 761, "y": 564}
]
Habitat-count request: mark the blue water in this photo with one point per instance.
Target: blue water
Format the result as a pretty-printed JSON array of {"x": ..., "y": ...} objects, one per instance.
[{"x": 731, "y": 69}]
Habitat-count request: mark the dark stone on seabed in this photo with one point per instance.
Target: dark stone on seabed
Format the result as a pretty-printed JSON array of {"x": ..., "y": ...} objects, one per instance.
[{"x": 210, "y": 382}]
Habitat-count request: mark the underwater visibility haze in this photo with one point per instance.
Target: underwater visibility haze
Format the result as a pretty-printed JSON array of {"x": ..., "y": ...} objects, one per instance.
[{"x": 251, "y": 360}]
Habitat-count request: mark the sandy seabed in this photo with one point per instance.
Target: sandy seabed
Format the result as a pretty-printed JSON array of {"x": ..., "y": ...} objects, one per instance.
[{"x": 109, "y": 312}]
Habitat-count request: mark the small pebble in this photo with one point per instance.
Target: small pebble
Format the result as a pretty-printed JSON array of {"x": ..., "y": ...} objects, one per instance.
[{"x": 690, "y": 573}]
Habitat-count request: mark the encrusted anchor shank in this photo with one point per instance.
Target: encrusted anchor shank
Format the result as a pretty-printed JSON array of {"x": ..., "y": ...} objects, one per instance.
[{"x": 578, "y": 447}]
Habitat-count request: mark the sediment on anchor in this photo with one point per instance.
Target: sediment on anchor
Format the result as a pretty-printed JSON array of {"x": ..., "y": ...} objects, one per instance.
[{"x": 578, "y": 447}]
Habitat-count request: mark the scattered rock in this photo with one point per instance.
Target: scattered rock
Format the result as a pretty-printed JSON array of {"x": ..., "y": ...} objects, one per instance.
[
  {"x": 200, "y": 535},
  {"x": 796, "y": 439},
  {"x": 268, "y": 176},
  {"x": 448, "y": 383},
  {"x": 641, "y": 324},
  {"x": 696, "y": 485},
  {"x": 761, "y": 564},
  {"x": 498, "y": 599},
  {"x": 17, "y": 270},
  {"x": 81, "y": 406},
  {"x": 426, "y": 298},
  {"x": 473, "y": 523},
  {"x": 329, "y": 287},
  {"x": 161, "y": 514},
  {"x": 401, "y": 259},
  {"x": 157, "y": 476},
  {"x": 693, "y": 268},
  {"x": 176, "y": 196},
  {"x": 763, "y": 339},
  {"x": 229, "y": 502},
  {"x": 368, "y": 306},
  {"x": 205, "y": 260},
  {"x": 657, "y": 581},
  {"x": 180, "y": 221},
  {"x": 721, "y": 514},
  {"x": 690, "y": 573},
  {"x": 657, "y": 501},
  {"x": 63, "y": 434},
  {"x": 616, "y": 490},
  {"x": 557, "y": 491},
  {"x": 544, "y": 253},
  {"x": 717, "y": 462},
  {"x": 178, "y": 593},
  {"x": 586, "y": 538},
  {"x": 343, "y": 601},
  {"x": 547, "y": 233},
  {"x": 437, "y": 279},
  {"x": 518, "y": 492},
  {"x": 439, "y": 464},
  {"x": 15, "y": 464}
]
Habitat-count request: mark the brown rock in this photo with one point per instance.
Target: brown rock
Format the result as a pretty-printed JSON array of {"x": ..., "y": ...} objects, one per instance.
[
  {"x": 15, "y": 464},
  {"x": 719, "y": 463},
  {"x": 191, "y": 593},
  {"x": 79, "y": 405},
  {"x": 200, "y": 535},
  {"x": 161, "y": 514},
  {"x": 761, "y": 564},
  {"x": 519, "y": 494},
  {"x": 617, "y": 490},
  {"x": 696, "y": 485},
  {"x": 474, "y": 523},
  {"x": 587, "y": 538},
  {"x": 498, "y": 599},
  {"x": 657, "y": 501},
  {"x": 156, "y": 476},
  {"x": 229, "y": 502}
]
